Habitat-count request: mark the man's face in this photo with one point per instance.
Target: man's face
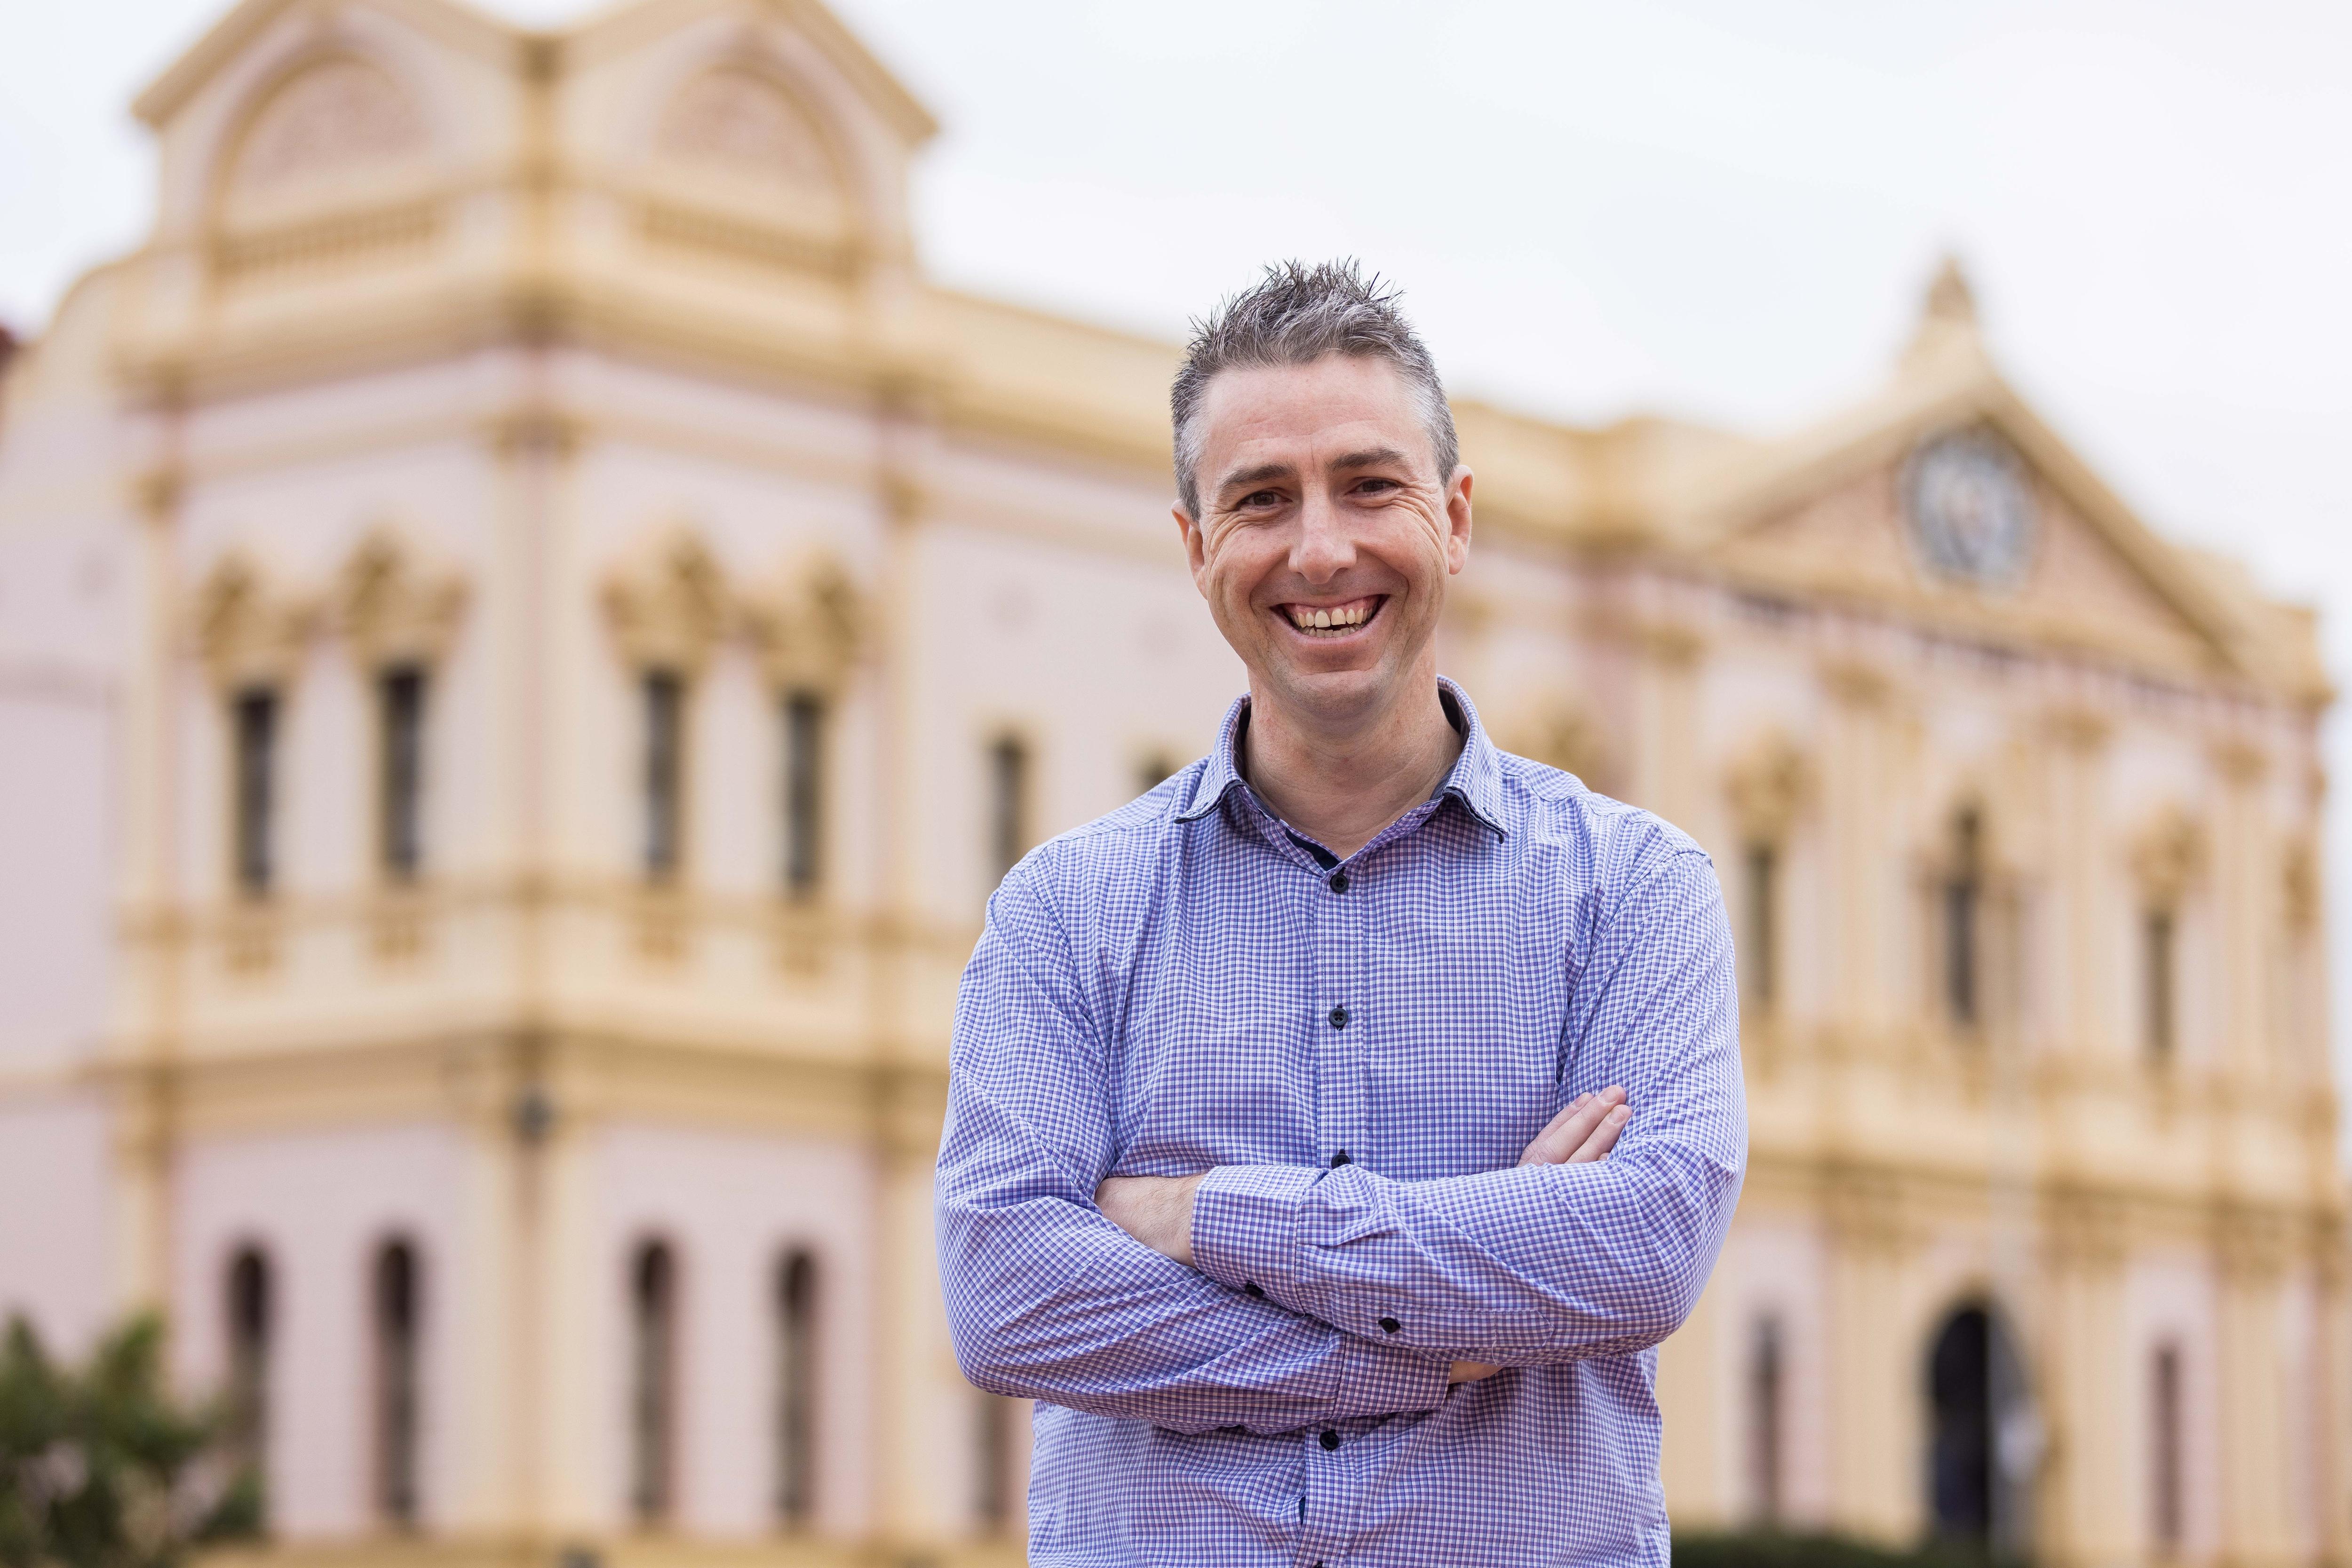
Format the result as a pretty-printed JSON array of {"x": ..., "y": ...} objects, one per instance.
[{"x": 1326, "y": 533}]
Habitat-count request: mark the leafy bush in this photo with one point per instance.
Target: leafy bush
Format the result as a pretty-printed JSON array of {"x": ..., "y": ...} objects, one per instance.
[{"x": 100, "y": 1467}]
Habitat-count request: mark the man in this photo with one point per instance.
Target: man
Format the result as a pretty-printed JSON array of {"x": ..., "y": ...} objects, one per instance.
[{"x": 1274, "y": 1164}]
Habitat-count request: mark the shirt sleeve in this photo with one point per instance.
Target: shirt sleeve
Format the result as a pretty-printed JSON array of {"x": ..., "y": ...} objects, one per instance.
[
  {"x": 1535, "y": 1263},
  {"x": 1047, "y": 1299}
]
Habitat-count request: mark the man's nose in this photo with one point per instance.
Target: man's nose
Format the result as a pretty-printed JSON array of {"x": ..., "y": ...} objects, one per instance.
[{"x": 1324, "y": 548}]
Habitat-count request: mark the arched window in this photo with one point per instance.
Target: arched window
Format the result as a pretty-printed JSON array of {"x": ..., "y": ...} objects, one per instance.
[
  {"x": 399, "y": 1312},
  {"x": 1980, "y": 1463},
  {"x": 1767, "y": 1380},
  {"x": 250, "y": 1321},
  {"x": 653, "y": 1378},
  {"x": 2166, "y": 1513},
  {"x": 796, "y": 1392},
  {"x": 1963, "y": 920}
]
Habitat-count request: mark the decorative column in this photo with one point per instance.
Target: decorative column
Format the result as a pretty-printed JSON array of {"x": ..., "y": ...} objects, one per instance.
[
  {"x": 1875, "y": 1411},
  {"x": 2083, "y": 1007},
  {"x": 2092, "y": 1439},
  {"x": 2251, "y": 1250},
  {"x": 1864, "y": 901}
]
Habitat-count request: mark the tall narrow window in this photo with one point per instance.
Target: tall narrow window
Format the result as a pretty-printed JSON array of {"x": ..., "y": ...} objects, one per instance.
[
  {"x": 1008, "y": 803},
  {"x": 653, "y": 1393},
  {"x": 400, "y": 788},
  {"x": 1963, "y": 899},
  {"x": 664, "y": 776},
  {"x": 2157, "y": 964},
  {"x": 2166, "y": 1516},
  {"x": 1759, "y": 965},
  {"x": 397, "y": 1322},
  {"x": 255, "y": 719},
  {"x": 803, "y": 793},
  {"x": 796, "y": 1330},
  {"x": 1766, "y": 1382},
  {"x": 992, "y": 1498},
  {"x": 249, "y": 1324}
]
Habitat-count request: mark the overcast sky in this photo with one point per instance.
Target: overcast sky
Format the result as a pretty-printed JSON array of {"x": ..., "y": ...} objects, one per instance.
[{"x": 1720, "y": 208}]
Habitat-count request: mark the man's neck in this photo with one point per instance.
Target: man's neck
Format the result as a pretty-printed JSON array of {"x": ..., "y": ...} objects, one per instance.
[{"x": 1340, "y": 787}]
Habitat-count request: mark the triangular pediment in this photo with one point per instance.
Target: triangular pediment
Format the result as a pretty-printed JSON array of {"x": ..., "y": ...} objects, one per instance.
[{"x": 1949, "y": 501}]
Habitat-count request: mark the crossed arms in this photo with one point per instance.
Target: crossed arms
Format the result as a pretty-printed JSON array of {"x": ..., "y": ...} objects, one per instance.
[{"x": 1318, "y": 1295}]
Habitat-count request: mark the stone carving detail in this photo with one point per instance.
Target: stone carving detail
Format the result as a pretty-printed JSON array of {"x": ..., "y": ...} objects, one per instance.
[
  {"x": 670, "y": 606},
  {"x": 1769, "y": 785},
  {"x": 1559, "y": 733},
  {"x": 392, "y": 607},
  {"x": 2300, "y": 886},
  {"x": 248, "y": 630},
  {"x": 326, "y": 120},
  {"x": 2167, "y": 857},
  {"x": 740, "y": 119},
  {"x": 808, "y": 628}
]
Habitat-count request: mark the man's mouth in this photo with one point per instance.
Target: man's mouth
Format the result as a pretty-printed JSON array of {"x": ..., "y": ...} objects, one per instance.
[{"x": 1330, "y": 620}]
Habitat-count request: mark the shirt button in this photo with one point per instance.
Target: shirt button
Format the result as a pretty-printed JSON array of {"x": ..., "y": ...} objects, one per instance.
[
  {"x": 1329, "y": 1440},
  {"x": 1339, "y": 1018},
  {"x": 1338, "y": 882},
  {"x": 1249, "y": 1288},
  {"x": 1389, "y": 1325},
  {"x": 1340, "y": 1159}
]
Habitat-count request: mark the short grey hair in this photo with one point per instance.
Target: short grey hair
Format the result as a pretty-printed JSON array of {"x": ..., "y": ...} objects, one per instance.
[{"x": 1294, "y": 316}]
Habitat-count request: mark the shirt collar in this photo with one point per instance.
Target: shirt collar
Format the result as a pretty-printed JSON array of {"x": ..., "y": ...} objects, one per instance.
[{"x": 1476, "y": 779}]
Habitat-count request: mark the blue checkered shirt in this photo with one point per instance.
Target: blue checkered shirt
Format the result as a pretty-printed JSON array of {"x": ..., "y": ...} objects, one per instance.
[{"x": 1356, "y": 1051}]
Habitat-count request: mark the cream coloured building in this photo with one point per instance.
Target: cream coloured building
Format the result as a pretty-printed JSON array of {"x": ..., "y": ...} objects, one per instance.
[{"x": 528, "y": 629}]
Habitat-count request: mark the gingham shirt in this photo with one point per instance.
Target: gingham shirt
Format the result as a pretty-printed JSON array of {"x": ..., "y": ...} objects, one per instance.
[{"x": 1356, "y": 1051}]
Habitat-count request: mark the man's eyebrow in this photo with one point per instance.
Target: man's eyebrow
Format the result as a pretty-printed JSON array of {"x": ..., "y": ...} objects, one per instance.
[
  {"x": 1371, "y": 457},
  {"x": 1257, "y": 476}
]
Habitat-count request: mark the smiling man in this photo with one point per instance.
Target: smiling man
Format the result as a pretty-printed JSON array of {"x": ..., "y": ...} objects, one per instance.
[{"x": 1334, "y": 1132}]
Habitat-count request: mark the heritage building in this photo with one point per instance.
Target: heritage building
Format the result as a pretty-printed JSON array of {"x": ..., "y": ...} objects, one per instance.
[{"x": 529, "y": 629}]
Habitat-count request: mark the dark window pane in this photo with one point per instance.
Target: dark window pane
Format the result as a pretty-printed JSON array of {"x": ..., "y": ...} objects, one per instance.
[
  {"x": 993, "y": 1503},
  {"x": 653, "y": 1403},
  {"x": 401, "y": 705},
  {"x": 1008, "y": 803},
  {"x": 255, "y": 725},
  {"x": 397, "y": 1315},
  {"x": 2157, "y": 944},
  {"x": 803, "y": 793},
  {"x": 1963, "y": 896},
  {"x": 1765, "y": 1422},
  {"x": 2164, "y": 1424},
  {"x": 796, "y": 1364},
  {"x": 1760, "y": 962},
  {"x": 664, "y": 778},
  {"x": 1153, "y": 771},
  {"x": 249, "y": 1317}
]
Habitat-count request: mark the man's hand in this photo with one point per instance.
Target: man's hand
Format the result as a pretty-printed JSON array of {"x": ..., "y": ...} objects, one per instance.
[
  {"x": 1158, "y": 1210},
  {"x": 1586, "y": 1131},
  {"x": 1155, "y": 1210}
]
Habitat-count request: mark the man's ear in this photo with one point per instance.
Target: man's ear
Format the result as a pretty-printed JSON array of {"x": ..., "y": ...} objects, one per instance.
[
  {"x": 1457, "y": 520},
  {"x": 1195, "y": 554}
]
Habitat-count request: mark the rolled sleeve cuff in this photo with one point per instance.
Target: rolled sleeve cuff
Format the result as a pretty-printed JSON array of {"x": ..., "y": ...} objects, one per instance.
[
  {"x": 1376, "y": 1380},
  {"x": 1246, "y": 1224}
]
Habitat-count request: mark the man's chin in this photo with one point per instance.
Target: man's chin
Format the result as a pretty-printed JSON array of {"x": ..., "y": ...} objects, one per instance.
[{"x": 1333, "y": 695}]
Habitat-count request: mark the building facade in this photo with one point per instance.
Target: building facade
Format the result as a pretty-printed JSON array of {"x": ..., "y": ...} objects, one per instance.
[{"x": 529, "y": 629}]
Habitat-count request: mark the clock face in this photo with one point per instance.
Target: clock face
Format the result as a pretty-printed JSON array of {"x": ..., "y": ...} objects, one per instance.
[{"x": 1971, "y": 510}]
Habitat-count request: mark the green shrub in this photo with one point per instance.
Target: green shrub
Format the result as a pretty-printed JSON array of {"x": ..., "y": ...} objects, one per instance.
[{"x": 100, "y": 1467}]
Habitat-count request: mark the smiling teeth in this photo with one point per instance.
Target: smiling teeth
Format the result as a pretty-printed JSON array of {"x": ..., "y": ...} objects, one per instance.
[{"x": 1348, "y": 615}]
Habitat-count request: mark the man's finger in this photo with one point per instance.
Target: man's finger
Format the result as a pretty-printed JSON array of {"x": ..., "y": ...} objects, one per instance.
[
  {"x": 1603, "y": 1137},
  {"x": 1572, "y": 1128}
]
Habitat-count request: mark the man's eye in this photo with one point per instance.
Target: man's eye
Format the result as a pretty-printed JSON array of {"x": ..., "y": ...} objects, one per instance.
[
  {"x": 1376, "y": 486},
  {"x": 1263, "y": 498}
]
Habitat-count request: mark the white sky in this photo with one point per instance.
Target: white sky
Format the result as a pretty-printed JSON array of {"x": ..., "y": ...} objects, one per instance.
[{"x": 1722, "y": 208}]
